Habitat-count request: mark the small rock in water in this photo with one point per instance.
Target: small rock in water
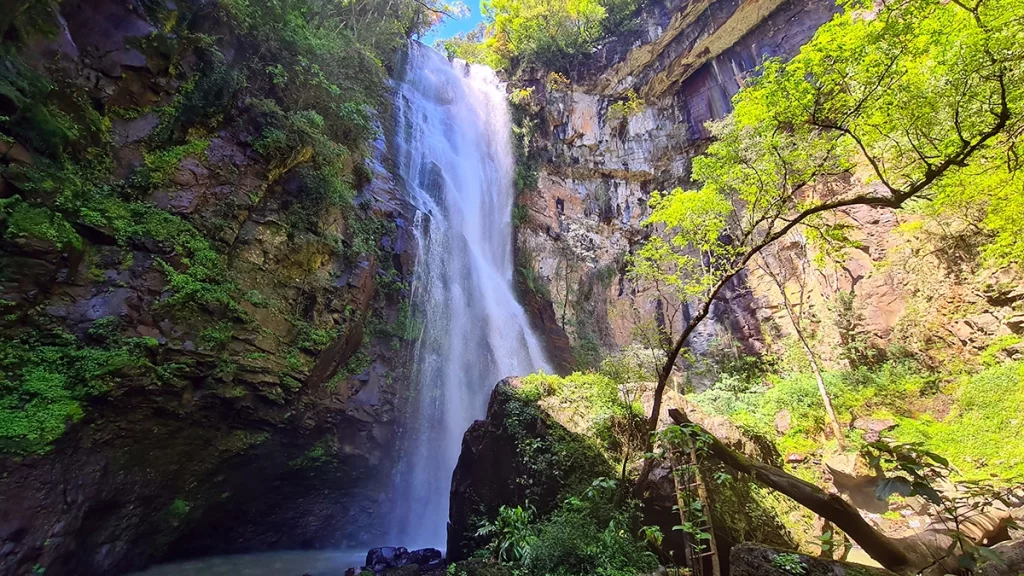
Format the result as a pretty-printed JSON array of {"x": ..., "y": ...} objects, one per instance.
[
  {"x": 387, "y": 557},
  {"x": 380, "y": 559},
  {"x": 425, "y": 557}
]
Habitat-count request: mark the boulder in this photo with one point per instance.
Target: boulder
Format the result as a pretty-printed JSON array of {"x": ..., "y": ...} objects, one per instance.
[
  {"x": 873, "y": 427},
  {"x": 399, "y": 560},
  {"x": 491, "y": 471},
  {"x": 783, "y": 421},
  {"x": 425, "y": 557},
  {"x": 380, "y": 559}
]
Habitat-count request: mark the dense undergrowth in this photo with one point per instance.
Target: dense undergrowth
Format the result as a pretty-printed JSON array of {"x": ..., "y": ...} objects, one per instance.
[
  {"x": 963, "y": 416},
  {"x": 589, "y": 530}
]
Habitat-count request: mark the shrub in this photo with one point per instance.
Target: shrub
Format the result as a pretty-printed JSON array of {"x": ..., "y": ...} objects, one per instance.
[
  {"x": 510, "y": 533},
  {"x": 575, "y": 540}
]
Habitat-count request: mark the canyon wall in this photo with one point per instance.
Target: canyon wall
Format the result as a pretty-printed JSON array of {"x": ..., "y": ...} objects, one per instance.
[
  {"x": 629, "y": 119},
  {"x": 198, "y": 422}
]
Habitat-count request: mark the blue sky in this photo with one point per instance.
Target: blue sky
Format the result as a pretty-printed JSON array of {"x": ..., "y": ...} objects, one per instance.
[{"x": 452, "y": 26}]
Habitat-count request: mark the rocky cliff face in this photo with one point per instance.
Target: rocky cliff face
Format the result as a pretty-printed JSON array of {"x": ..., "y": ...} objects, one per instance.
[
  {"x": 598, "y": 165},
  {"x": 629, "y": 120},
  {"x": 251, "y": 408}
]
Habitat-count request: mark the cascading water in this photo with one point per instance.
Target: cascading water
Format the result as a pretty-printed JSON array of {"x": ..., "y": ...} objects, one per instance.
[{"x": 455, "y": 155}]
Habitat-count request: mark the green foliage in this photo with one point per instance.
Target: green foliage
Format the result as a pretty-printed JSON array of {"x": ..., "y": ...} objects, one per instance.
[
  {"x": 588, "y": 536},
  {"x": 989, "y": 357},
  {"x": 312, "y": 338},
  {"x": 83, "y": 191},
  {"x": 22, "y": 20},
  {"x": 510, "y": 534},
  {"x": 543, "y": 31},
  {"x": 242, "y": 440},
  {"x": 550, "y": 33},
  {"x": 178, "y": 510},
  {"x": 623, "y": 110},
  {"x": 529, "y": 277},
  {"x": 202, "y": 101},
  {"x": 45, "y": 375},
  {"x": 320, "y": 454},
  {"x": 25, "y": 220},
  {"x": 920, "y": 94},
  {"x": 974, "y": 435},
  {"x": 159, "y": 166},
  {"x": 52, "y": 119},
  {"x": 216, "y": 335},
  {"x": 790, "y": 564},
  {"x": 600, "y": 409},
  {"x": 911, "y": 470},
  {"x": 889, "y": 388}
]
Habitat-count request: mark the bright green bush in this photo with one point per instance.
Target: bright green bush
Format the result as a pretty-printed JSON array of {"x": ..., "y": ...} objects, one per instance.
[
  {"x": 584, "y": 537},
  {"x": 549, "y": 33},
  {"x": 46, "y": 375},
  {"x": 511, "y": 534},
  {"x": 595, "y": 401}
]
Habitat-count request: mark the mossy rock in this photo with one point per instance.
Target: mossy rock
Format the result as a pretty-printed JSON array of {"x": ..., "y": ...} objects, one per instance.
[{"x": 519, "y": 454}]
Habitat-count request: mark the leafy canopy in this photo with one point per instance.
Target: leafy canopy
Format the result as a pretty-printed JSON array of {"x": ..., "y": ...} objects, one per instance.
[
  {"x": 914, "y": 98},
  {"x": 551, "y": 33}
]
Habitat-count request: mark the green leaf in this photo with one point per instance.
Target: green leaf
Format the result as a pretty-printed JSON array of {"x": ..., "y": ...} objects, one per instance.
[
  {"x": 894, "y": 485},
  {"x": 929, "y": 493}
]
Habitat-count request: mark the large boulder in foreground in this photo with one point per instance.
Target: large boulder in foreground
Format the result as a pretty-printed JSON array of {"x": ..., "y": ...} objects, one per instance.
[{"x": 517, "y": 454}]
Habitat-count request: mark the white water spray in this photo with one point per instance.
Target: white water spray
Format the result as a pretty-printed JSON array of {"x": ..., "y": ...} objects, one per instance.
[{"x": 455, "y": 155}]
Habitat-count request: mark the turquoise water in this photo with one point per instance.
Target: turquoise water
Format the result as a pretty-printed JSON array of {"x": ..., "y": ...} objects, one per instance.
[{"x": 284, "y": 563}]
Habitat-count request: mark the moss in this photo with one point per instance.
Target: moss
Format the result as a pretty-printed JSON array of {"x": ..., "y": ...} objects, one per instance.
[
  {"x": 178, "y": 510},
  {"x": 46, "y": 375},
  {"x": 159, "y": 166}
]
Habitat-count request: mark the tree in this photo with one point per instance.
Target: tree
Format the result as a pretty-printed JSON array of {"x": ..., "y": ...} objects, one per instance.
[
  {"x": 545, "y": 31},
  {"x": 909, "y": 96},
  {"x": 916, "y": 473},
  {"x": 770, "y": 263}
]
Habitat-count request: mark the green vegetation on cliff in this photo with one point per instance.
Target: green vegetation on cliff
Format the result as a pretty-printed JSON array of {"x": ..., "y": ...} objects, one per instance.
[
  {"x": 303, "y": 83},
  {"x": 915, "y": 108},
  {"x": 553, "y": 34}
]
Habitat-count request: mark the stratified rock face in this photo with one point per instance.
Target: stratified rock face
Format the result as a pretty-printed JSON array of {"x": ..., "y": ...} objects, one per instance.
[
  {"x": 685, "y": 61},
  {"x": 255, "y": 439},
  {"x": 517, "y": 455}
]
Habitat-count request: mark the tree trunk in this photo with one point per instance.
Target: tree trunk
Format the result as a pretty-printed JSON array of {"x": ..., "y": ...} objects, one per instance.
[
  {"x": 831, "y": 507},
  {"x": 837, "y": 430}
]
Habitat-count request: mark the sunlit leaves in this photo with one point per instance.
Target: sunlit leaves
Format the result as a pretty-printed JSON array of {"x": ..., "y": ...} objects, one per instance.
[
  {"x": 920, "y": 99},
  {"x": 691, "y": 249},
  {"x": 543, "y": 30}
]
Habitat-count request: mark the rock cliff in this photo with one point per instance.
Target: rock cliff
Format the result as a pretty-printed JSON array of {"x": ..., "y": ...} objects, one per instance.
[
  {"x": 628, "y": 121},
  {"x": 194, "y": 361}
]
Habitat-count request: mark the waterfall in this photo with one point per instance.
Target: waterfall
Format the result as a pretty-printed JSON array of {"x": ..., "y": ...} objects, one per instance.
[{"x": 454, "y": 152}]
